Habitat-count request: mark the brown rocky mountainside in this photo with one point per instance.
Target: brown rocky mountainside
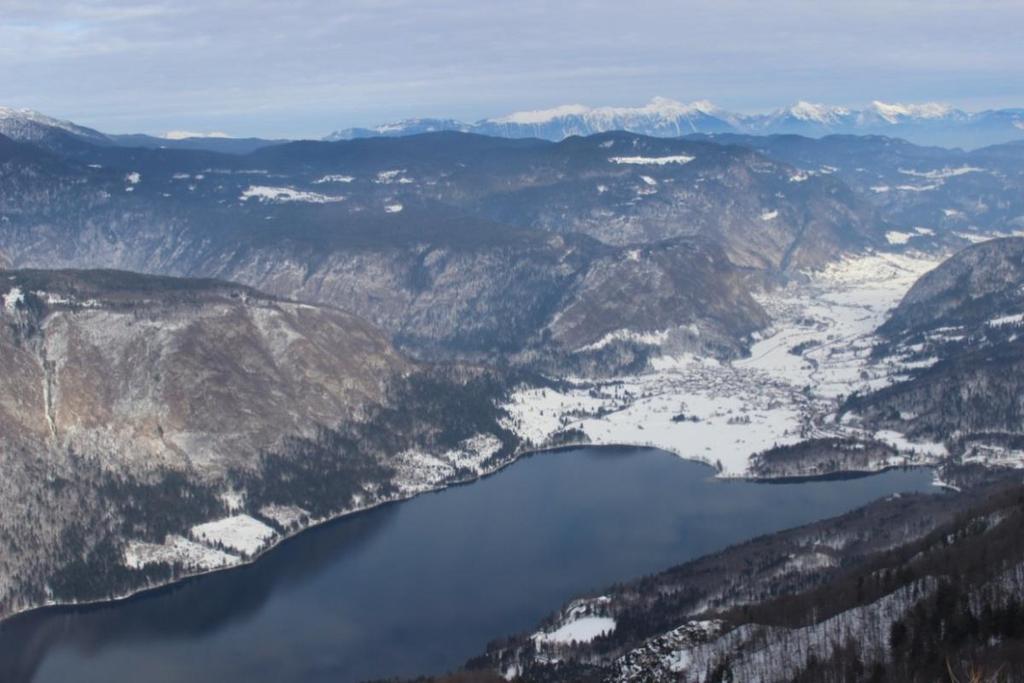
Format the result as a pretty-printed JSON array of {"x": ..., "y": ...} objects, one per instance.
[
  {"x": 125, "y": 395},
  {"x": 165, "y": 372}
]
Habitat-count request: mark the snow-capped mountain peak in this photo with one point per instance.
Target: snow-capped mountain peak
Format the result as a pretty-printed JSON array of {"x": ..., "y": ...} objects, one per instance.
[
  {"x": 32, "y": 116},
  {"x": 669, "y": 108},
  {"x": 543, "y": 115},
  {"x": 659, "y": 107},
  {"x": 895, "y": 112},
  {"x": 27, "y": 125},
  {"x": 818, "y": 113},
  {"x": 923, "y": 123}
]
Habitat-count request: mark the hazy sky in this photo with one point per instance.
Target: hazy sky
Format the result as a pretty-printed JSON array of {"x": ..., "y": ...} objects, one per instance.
[{"x": 306, "y": 67}]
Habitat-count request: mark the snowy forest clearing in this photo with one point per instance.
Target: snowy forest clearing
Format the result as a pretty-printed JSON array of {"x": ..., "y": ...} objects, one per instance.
[{"x": 816, "y": 351}]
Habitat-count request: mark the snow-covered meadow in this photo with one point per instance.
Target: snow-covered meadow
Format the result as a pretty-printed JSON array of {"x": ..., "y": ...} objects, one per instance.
[{"x": 241, "y": 533}]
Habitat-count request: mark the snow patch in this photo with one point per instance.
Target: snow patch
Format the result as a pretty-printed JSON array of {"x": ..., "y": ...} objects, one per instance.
[
  {"x": 896, "y": 237},
  {"x": 582, "y": 630},
  {"x": 652, "y": 338},
  {"x": 1015, "y": 319},
  {"x": 12, "y": 298},
  {"x": 919, "y": 188},
  {"x": 186, "y": 134},
  {"x": 393, "y": 176},
  {"x": 654, "y": 161},
  {"x": 333, "y": 178},
  {"x": 942, "y": 173},
  {"x": 266, "y": 193}
]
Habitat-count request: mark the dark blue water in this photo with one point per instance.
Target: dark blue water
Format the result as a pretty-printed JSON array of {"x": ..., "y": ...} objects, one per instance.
[{"x": 421, "y": 586}]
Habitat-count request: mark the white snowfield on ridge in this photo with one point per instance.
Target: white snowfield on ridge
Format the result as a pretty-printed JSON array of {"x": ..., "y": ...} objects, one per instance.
[
  {"x": 667, "y": 109},
  {"x": 662, "y": 116},
  {"x": 726, "y": 412}
]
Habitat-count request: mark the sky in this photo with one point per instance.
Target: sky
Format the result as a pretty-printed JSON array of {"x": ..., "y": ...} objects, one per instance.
[{"x": 304, "y": 68}]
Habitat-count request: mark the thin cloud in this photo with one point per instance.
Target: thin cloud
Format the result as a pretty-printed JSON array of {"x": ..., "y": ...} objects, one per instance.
[{"x": 307, "y": 67}]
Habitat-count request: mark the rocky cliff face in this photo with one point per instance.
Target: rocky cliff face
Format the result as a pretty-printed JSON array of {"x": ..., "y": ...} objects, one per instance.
[
  {"x": 153, "y": 370},
  {"x": 137, "y": 406}
]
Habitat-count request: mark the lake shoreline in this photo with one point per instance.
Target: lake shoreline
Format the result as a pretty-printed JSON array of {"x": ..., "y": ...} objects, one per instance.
[{"x": 183, "y": 579}]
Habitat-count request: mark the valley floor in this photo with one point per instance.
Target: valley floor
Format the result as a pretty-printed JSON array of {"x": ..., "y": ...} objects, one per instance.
[{"x": 816, "y": 351}]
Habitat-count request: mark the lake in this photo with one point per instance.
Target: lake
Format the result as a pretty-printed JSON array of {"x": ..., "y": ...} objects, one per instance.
[{"x": 420, "y": 586}]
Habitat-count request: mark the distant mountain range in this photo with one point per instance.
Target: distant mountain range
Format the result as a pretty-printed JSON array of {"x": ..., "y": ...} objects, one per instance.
[
  {"x": 923, "y": 124},
  {"x": 928, "y": 124}
]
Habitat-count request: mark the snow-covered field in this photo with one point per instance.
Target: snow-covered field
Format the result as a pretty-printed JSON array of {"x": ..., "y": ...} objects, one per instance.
[
  {"x": 816, "y": 351},
  {"x": 241, "y": 533},
  {"x": 177, "y": 550},
  {"x": 582, "y": 630},
  {"x": 580, "y": 622}
]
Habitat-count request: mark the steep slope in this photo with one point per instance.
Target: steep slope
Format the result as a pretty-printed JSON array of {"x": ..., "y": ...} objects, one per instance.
[
  {"x": 685, "y": 289},
  {"x": 626, "y": 189},
  {"x": 138, "y": 407},
  {"x": 928, "y": 195},
  {"x": 959, "y": 325},
  {"x": 26, "y": 125},
  {"x": 451, "y": 242},
  {"x": 975, "y": 286}
]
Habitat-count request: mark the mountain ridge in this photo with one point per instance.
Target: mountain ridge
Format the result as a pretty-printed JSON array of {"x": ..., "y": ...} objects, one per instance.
[{"x": 925, "y": 123}]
